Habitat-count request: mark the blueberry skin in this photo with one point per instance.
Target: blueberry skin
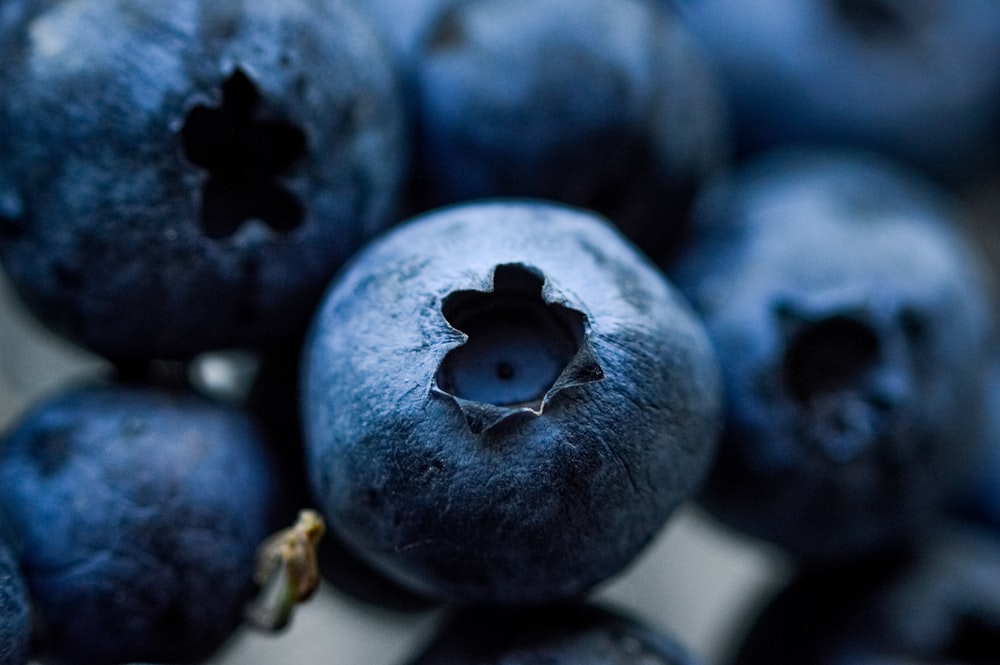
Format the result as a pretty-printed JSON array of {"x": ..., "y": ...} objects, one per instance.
[
  {"x": 567, "y": 634},
  {"x": 979, "y": 498},
  {"x": 504, "y": 501},
  {"x": 180, "y": 179},
  {"x": 15, "y": 610},
  {"x": 852, "y": 321},
  {"x": 938, "y": 604},
  {"x": 917, "y": 80},
  {"x": 602, "y": 104},
  {"x": 141, "y": 511}
]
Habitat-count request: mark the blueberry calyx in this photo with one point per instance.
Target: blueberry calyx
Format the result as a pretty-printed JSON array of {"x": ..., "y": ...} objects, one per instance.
[
  {"x": 520, "y": 350},
  {"x": 840, "y": 371},
  {"x": 245, "y": 151}
]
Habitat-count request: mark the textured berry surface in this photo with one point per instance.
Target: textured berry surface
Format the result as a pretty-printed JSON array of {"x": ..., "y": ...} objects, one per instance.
[
  {"x": 605, "y": 104},
  {"x": 916, "y": 79},
  {"x": 532, "y": 476},
  {"x": 176, "y": 179},
  {"x": 140, "y": 512},
  {"x": 851, "y": 320}
]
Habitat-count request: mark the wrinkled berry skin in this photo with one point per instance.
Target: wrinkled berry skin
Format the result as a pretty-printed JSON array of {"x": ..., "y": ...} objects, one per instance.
[
  {"x": 15, "y": 609},
  {"x": 567, "y": 634},
  {"x": 938, "y": 604},
  {"x": 603, "y": 104},
  {"x": 480, "y": 491},
  {"x": 851, "y": 321},
  {"x": 141, "y": 511},
  {"x": 978, "y": 499},
  {"x": 915, "y": 79},
  {"x": 176, "y": 179}
]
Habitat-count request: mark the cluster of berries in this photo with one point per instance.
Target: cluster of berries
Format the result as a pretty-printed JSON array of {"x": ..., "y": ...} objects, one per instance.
[{"x": 497, "y": 286}]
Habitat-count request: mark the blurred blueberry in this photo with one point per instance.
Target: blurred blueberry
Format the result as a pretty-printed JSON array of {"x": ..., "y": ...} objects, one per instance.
[
  {"x": 603, "y": 104},
  {"x": 917, "y": 79},
  {"x": 141, "y": 511},
  {"x": 188, "y": 177},
  {"x": 938, "y": 604},
  {"x": 851, "y": 319},
  {"x": 503, "y": 402},
  {"x": 566, "y": 634}
]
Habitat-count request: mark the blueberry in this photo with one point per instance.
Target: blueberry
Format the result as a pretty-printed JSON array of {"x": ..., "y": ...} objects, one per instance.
[
  {"x": 141, "y": 511},
  {"x": 936, "y": 605},
  {"x": 184, "y": 179},
  {"x": 503, "y": 401},
  {"x": 918, "y": 80},
  {"x": 15, "y": 608},
  {"x": 602, "y": 104},
  {"x": 851, "y": 319},
  {"x": 567, "y": 634}
]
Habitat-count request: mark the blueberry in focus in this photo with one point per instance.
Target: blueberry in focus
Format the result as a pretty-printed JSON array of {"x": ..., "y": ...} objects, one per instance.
[
  {"x": 186, "y": 178},
  {"x": 564, "y": 634},
  {"x": 603, "y": 104},
  {"x": 851, "y": 319},
  {"x": 140, "y": 511},
  {"x": 503, "y": 402},
  {"x": 938, "y": 604},
  {"x": 918, "y": 80},
  {"x": 15, "y": 607}
]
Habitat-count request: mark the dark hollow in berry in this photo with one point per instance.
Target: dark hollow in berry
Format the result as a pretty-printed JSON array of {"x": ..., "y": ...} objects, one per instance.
[
  {"x": 517, "y": 346},
  {"x": 829, "y": 355},
  {"x": 245, "y": 151}
]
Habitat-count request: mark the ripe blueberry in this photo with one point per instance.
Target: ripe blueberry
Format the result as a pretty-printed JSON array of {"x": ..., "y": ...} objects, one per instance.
[
  {"x": 184, "y": 178},
  {"x": 916, "y": 79},
  {"x": 851, "y": 320},
  {"x": 140, "y": 511},
  {"x": 938, "y": 604},
  {"x": 604, "y": 104},
  {"x": 503, "y": 402}
]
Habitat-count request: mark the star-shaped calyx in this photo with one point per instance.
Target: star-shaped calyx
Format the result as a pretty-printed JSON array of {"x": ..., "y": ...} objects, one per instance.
[
  {"x": 245, "y": 151},
  {"x": 520, "y": 349}
]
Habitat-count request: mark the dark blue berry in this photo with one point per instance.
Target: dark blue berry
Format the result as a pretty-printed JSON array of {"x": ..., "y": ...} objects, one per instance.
[
  {"x": 919, "y": 81},
  {"x": 503, "y": 402},
  {"x": 603, "y": 104},
  {"x": 567, "y": 634},
  {"x": 179, "y": 181},
  {"x": 140, "y": 511},
  {"x": 938, "y": 604},
  {"x": 851, "y": 319}
]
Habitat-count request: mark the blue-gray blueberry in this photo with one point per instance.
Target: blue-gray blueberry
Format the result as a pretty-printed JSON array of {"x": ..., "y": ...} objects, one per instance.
[
  {"x": 504, "y": 401},
  {"x": 937, "y": 604},
  {"x": 916, "y": 79},
  {"x": 564, "y": 634},
  {"x": 140, "y": 512},
  {"x": 185, "y": 178},
  {"x": 851, "y": 318},
  {"x": 603, "y": 104}
]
